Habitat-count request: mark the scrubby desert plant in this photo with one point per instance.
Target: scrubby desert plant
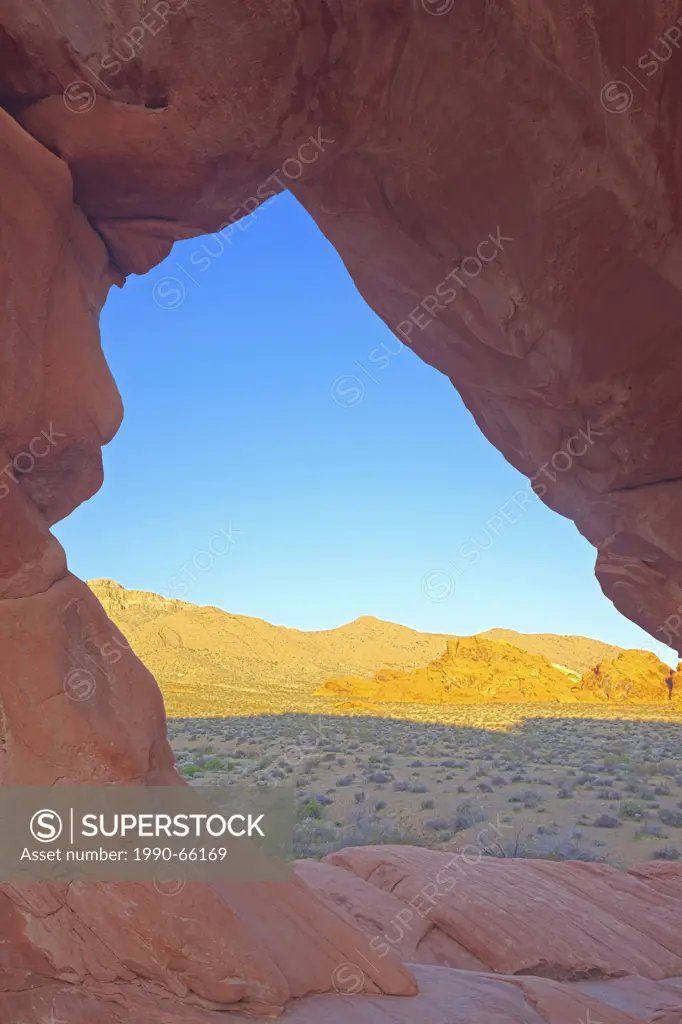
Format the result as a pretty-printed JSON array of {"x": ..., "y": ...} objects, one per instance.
[
  {"x": 672, "y": 818},
  {"x": 607, "y": 821},
  {"x": 666, "y": 853}
]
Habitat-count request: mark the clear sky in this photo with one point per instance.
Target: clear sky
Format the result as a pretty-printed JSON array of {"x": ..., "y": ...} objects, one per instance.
[{"x": 267, "y": 465}]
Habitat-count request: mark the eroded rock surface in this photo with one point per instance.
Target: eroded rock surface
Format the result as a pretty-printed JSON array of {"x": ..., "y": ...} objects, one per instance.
[
  {"x": 500, "y": 202},
  {"x": 518, "y": 227},
  {"x": 68, "y": 715},
  {"x": 445, "y": 997},
  {"x": 499, "y": 911}
]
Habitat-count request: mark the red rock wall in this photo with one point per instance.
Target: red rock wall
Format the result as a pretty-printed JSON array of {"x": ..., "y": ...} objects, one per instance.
[
  {"x": 500, "y": 202},
  {"x": 546, "y": 125}
]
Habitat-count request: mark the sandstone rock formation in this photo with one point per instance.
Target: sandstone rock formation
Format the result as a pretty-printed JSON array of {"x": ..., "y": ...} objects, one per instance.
[
  {"x": 67, "y": 715},
  {"x": 633, "y": 677},
  {"x": 561, "y": 178},
  {"x": 483, "y": 933},
  {"x": 475, "y": 669},
  {"x": 470, "y": 669},
  {"x": 577, "y": 653},
  {"x": 424, "y": 139},
  {"x": 496, "y": 911}
]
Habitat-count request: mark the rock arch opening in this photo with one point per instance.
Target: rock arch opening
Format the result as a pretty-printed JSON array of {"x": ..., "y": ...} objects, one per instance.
[{"x": 502, "y": 176}]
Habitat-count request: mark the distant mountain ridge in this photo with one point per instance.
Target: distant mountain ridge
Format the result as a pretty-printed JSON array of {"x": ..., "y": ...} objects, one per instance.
[
  {"x": 578, "y": 653},
  {"x": 206, "y": 656}
]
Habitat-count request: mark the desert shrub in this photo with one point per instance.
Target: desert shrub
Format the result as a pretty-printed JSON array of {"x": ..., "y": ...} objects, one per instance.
[
  {"x": 565, "y": 791},
  {"x": 437, "y": 824},
  {"x": 400, "y": 786},
  {"x": 311, "y": 809},
  {"x": 499, "y": 780},
  {"x": 368, "y": 831},
  {"x": 345, "y": 780},
  {"x": 650, "y": 830},
  {"x": 518, "y": 846},
  {"x": 632, "y": 809},
  {"x": 466, "y": 815},
  {"x": 428, "y": 805},
  {"x": 313, "y": 840},
  {"x": 672, "y": 818},
  {"x": 530, "y": 798},
  {"x": 569, "y": 850},
  {"x": 606, "y": 821},
  {"x": 666, "y": 853},
  {"x": 359, "y": 797},
  {"x": 379, "y": 805},
  {"x": 380, "y": 777}
]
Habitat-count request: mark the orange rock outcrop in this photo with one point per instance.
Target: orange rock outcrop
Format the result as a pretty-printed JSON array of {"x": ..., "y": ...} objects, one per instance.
[
  {"x": 478, "y": 670},
  {"x": 633, "y": 677}
]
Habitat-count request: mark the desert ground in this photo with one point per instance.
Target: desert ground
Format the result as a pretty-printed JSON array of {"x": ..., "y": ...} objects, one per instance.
[
  {"x": 604, "y": 784},
  {"x": 245, "y": 704}
]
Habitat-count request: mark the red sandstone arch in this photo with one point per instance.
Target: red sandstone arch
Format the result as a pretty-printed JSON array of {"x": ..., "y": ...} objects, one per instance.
[{"x": 428, "y": 140}]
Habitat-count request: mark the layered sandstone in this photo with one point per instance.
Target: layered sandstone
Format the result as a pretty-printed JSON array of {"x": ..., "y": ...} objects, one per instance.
[
  {"x": 482, "y": 932},
  {"x": 498, "y": 205},
  {"x": 70, "y": 716},
  {"x": 562, "y": 180}
]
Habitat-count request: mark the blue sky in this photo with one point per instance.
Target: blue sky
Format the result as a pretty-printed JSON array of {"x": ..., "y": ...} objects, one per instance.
[{"x": 270, "y": 465}]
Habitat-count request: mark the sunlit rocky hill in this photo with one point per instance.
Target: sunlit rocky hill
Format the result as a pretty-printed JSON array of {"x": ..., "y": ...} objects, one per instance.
[
  {"x": 210, "y": 662},
  {"x": 479, "y": 670}
]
